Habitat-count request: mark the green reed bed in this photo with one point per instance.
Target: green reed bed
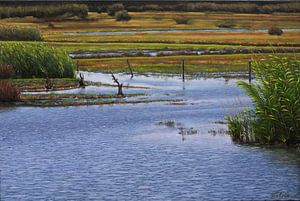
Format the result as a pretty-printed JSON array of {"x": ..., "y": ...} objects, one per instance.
[
  {"x": 37, "y": 60},
  {"x": 275, "y": 118}
]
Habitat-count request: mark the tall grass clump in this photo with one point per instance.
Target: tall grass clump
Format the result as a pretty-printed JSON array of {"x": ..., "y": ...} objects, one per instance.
[
  {"x": 276, "y": 101},
  {"x": 45, "y": 11},
  {"x": 37, "y": 60},
  {"x": 6, "y": 71},
  {"x": 8, "y": 92},
  {"x": 14, "y": 33}
]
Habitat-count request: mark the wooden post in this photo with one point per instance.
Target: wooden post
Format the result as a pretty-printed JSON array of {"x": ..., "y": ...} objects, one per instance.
[
  {"x": 182, "y": 65},
  {"x": 250, "y": 71},
  {"x": 78, "y": 69},
  {"x": 129, "y": 66}
]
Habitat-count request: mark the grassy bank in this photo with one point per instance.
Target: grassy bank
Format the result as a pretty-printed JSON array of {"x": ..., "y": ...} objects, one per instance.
[{"x": 172, "y": 64}]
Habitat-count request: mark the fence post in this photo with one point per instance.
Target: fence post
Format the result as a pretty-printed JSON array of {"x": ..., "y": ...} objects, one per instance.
[
  {"x": 78, "y": 68},
  {"x": 130, "y": 69},
  {"x": 250, "y": 71},
  {"x": 182, "y": 66}
]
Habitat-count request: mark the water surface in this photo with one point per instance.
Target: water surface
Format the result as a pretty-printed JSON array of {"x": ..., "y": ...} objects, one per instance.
[{"x": 119, "y": 152}]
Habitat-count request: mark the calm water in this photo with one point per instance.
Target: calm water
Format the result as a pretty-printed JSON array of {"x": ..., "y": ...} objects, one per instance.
[{"x": 119, "y": 152}]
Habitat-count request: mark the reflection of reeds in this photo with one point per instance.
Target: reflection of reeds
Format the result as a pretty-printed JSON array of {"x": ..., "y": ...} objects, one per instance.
[{"x": 8, "y": 92}]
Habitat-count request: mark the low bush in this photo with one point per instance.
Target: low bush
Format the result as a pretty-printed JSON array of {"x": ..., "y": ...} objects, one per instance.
[
  {"x": 13, "y": 33},
  {"x": 182, "y": 20},
  {"x": 228, "y": 24},
  {"x": 37, "y": 60},
  {"x": 122, "y": 16},
  {"x": 276, "y": 100},
  {"x": 6, "y": 71},
  {"x": 113, "y": 9},
  {"x": 8, "y": 92},
  {"x": 275, "y": 31},
  {"x": 45, "y": 11}
]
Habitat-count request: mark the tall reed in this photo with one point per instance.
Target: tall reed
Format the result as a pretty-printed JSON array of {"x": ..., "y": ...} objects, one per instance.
[
  {"x": 276, "y": 100},
  {"x": 37, "y": 60}
]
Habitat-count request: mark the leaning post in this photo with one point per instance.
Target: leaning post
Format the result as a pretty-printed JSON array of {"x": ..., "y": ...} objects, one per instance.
[
  {"x": 182, "y": 66},
  {"x": 130, "y": 69}
]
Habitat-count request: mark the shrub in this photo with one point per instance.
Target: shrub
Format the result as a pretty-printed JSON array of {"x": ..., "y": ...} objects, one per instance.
[
  {"x": 182, "y": 20},
  {"x": 122, "y": 16},
  {"x": 8, "y": 92},
  {"x": 227, "y": 24},
  {"x": 275, "y": 31},
  {"x": 20, "y": 33},
  {"x": 6, "y": 71},
  {"x": 276, "y": 100},
  {"x": 113, "y": 9},
  {"x": 37, "y": 60}
]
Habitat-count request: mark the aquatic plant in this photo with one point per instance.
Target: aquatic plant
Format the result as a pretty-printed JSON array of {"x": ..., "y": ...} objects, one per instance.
[
  {"x": 14, "y": 33},
  {"x": 37, "y": 60},
  {"x": 6, "y": 71},
  {"x": 8, "y": 92},
  {"x": 276, "y": 101}
]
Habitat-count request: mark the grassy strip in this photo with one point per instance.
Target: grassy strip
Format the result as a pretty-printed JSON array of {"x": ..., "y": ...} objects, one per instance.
[
  {"x": 250, "y": 38},
  {"x": 38, "y": 85},
  {"x": 172, "y": 64}
]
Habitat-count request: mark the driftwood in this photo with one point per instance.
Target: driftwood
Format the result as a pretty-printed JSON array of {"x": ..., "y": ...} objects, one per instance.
[
  {"x": 120, "y": 85},
  {"x": 81, "y": 80},
  {"x": 130, "y": 69},
  {"x": 49, "y": 84}
]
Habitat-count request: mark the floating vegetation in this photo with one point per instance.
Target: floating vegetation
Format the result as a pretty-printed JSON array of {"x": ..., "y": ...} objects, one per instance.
[{"x": 182, "y": 130}]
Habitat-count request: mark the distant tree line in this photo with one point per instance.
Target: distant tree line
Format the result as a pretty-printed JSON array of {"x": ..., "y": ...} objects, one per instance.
[
  {"x": 51, "y": 10},
  {"x": 292, "y": 7},
  {"x": 44, "y": 11}
]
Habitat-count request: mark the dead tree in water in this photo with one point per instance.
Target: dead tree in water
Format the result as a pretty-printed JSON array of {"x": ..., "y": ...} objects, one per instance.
[
  {"x": 129, "y": 66},
  {"x": 120, "y": 85},
  {"x": 48, "y": 84},
  {"x": 81, "y": 80}
]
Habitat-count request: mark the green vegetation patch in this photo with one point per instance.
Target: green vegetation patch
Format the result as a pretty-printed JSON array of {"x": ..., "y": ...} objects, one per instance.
[
  {"x": 275, "y": 118},
  {"x": 37, "y": 60}
]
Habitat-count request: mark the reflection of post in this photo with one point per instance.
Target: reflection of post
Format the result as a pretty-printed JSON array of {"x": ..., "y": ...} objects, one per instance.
[
  {"x": 250, "y": 71},
  {"x": 182, "y": 65},
  {"x": 129, "y": 66}
]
